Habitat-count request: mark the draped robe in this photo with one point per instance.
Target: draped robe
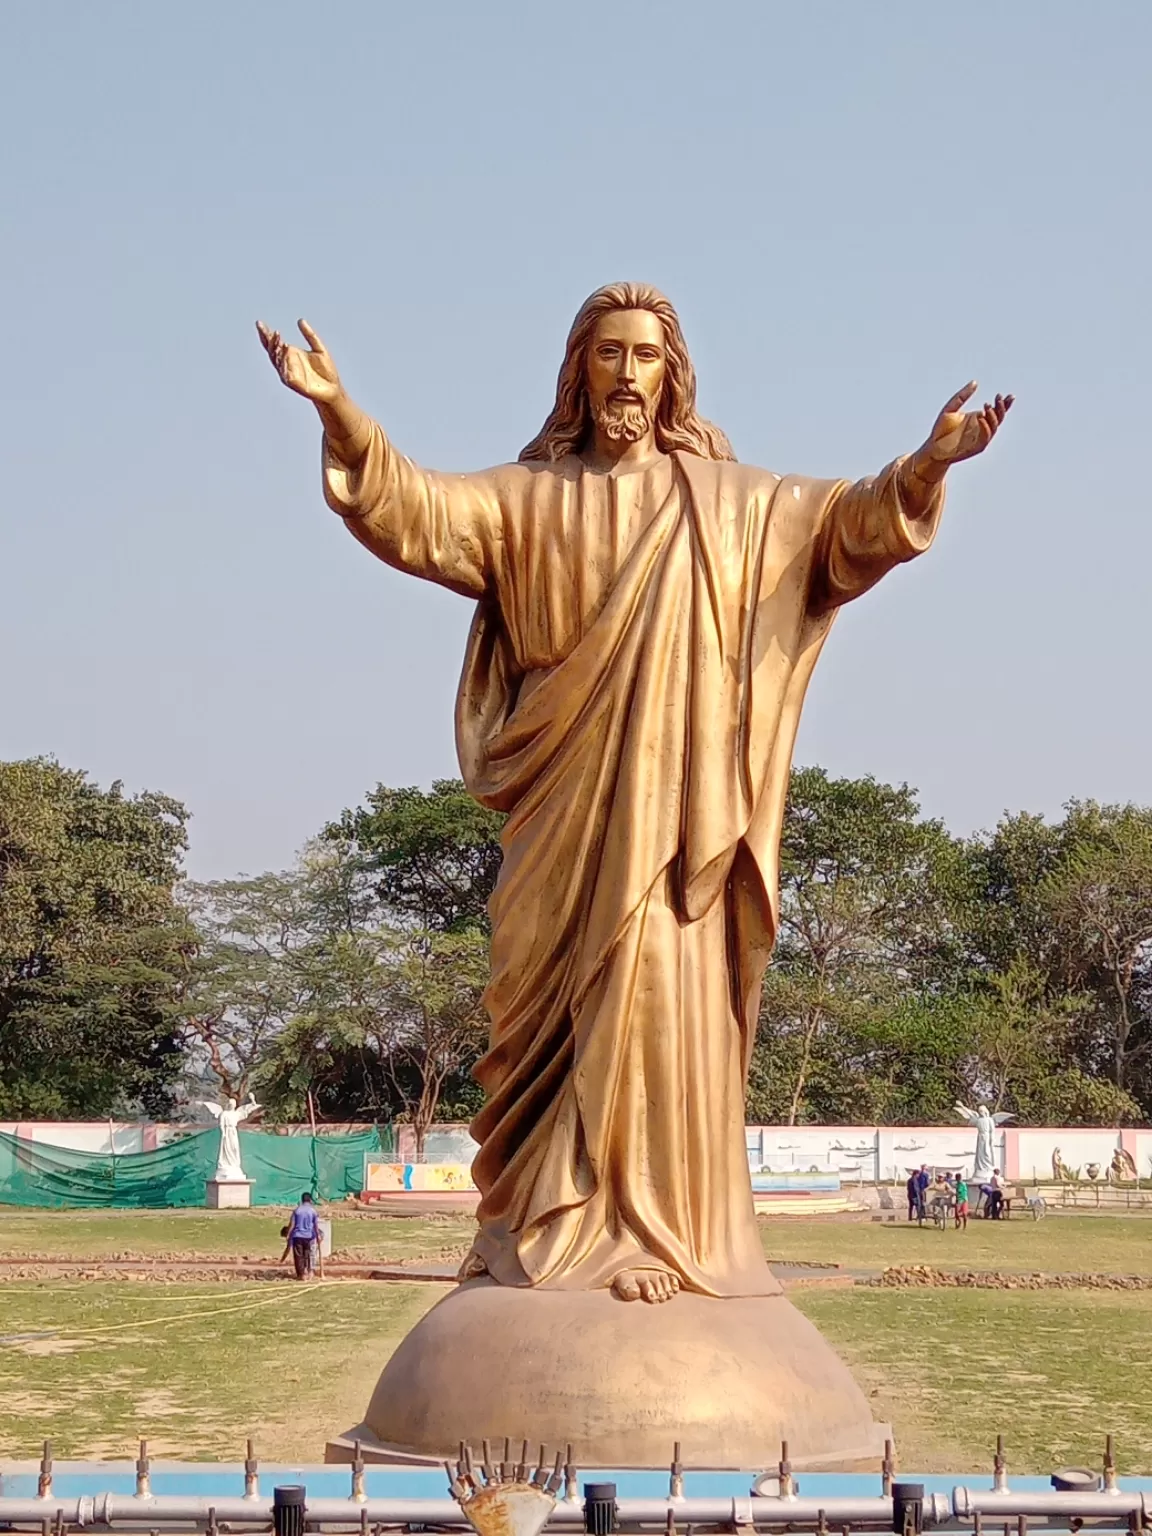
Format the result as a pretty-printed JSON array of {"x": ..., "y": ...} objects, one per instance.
[{"x": 631, "y": 690}]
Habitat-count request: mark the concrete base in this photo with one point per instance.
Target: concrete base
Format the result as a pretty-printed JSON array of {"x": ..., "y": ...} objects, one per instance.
[
  {"x": 228, "y": 1194},
  {"x": 620, "y": 1382}
]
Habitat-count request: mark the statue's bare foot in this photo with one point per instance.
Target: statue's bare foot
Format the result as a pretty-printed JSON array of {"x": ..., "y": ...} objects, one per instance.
[{"x": 652, "y": 1285}]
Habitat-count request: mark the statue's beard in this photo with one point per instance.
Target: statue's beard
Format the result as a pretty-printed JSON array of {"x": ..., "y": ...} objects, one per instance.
[{"x": 623, "y": 421}]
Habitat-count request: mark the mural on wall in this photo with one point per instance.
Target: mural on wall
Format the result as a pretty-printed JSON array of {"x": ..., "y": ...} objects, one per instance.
[{"x": 411, "y": 1178}]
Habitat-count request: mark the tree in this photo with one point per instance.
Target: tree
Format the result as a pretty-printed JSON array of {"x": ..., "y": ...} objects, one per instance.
[
  {"x": 1072, "y": 901},
  {"x": 308, "y": 989},
  {"x": 287, "y": 979},
  {"x": 92, "y": 945},
  {"x": 243, "y": 982},
  {"x": 433, "y": 856},
  {"x": 439, "y": 988},
  {"x": 865, "y": 885},
  {"x": 388, "y": 1025},
  {"x": 1099, "y": 902}
]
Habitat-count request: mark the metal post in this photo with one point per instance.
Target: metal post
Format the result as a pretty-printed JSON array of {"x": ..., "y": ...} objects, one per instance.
[
  {"x": 1110, "y": 1485},
  {"x": 251, "y": 1474},
  {"x": 143, "y": 1472},
  {"x": 44, "y": 1481},
  {"x": 676, "y": 1474},
  {"x": 540, "y": 1476},
  {"x": 787, "y": 1486}
]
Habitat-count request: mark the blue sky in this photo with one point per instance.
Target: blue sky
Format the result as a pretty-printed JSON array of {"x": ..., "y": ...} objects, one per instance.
[{"x": 855, "y": 208}]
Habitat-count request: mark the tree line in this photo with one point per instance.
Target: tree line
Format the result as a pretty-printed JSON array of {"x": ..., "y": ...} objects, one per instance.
[{"x": 912, "y": 967}]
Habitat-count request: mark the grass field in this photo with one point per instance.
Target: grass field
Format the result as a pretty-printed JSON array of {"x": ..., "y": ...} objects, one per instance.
[
  {"x": 224, "y": 1234},
  {"x": 1118, "y": 1244},
  {"x": 195, "y": 1369},
  {"x": 1053, "y": 1371}
]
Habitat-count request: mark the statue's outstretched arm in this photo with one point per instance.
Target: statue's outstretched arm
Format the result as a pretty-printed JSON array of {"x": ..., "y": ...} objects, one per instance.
[
  {"x": 880, "y": 522},
  {"x": 444, "y": 528},
  {"x": 313, "y": 374}
]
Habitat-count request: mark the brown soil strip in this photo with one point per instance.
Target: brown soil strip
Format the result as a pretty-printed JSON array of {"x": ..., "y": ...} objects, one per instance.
[{"x": 923, "y": 1275}]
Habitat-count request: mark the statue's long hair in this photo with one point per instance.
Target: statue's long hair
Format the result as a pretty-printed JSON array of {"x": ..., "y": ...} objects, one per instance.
[{"x": 677, "y": 423}]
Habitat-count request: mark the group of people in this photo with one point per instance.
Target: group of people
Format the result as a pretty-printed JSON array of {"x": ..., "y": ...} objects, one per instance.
[{"x": 953, "y": 1191}]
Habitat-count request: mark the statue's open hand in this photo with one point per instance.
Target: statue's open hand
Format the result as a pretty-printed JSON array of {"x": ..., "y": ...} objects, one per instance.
[
  {"x": 960, "y": 434},
  {"x": 312, "y": 373}
]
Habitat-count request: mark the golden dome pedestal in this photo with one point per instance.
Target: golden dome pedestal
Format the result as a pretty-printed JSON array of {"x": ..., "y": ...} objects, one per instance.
[{"x": 620, "y": 1382}]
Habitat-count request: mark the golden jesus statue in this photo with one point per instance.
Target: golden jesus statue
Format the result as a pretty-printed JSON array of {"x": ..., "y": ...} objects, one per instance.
[{"x": 648, "y": 614}]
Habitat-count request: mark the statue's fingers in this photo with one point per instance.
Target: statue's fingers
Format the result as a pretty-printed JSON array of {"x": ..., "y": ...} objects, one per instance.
[
  {"x": 961, "y": 397},
  {"x": 310, "y": 336}
]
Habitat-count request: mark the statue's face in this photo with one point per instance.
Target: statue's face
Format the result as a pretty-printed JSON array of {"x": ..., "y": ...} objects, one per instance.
[
  {"x": 626, "y": 364},
  {"x": 231, "y": 1103},
  {"x": 983, "y": 1109}
]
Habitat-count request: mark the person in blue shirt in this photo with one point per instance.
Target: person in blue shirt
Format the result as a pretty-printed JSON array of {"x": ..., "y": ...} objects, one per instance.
[
  {"x": 912, "y": 1189},
  {"x": 303, "y": 1234}
]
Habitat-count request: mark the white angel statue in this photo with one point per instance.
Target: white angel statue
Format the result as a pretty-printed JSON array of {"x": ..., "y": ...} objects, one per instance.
[
  {"x": 228, "y": 1166},
  {"x": 986, "y": 1124}
]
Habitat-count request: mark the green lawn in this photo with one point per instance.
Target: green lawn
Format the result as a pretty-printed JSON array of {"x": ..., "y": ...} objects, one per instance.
[
  {"x": 1117, "y": 1244},
  {"x": 194, "y": 1369},
  {"x": 1053, "y": 1371},
  {"x": 1120, "y": 1244},
  {"x": 223, "y": 1234}
]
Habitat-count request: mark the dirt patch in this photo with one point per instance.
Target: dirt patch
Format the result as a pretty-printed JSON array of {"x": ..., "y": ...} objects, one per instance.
[
  {"x": 44, "y": 1346},
  {"x": 818, "y": 1282},
  {"x": 87, "y": 1269},
  {"x": 159, "y": 1403}
]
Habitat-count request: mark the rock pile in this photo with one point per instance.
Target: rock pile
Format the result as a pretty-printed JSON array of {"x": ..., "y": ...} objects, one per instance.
[{"x": 924, "y": 1275}]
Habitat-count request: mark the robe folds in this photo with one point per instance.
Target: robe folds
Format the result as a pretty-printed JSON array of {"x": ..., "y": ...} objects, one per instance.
[{"x": 634, "y": 676}]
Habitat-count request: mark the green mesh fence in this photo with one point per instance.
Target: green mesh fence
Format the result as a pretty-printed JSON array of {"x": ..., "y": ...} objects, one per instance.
[{"x": 281, "y": 1168}]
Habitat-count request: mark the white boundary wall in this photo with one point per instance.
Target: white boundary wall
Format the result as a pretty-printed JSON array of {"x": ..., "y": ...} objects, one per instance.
[{"x": 866, "y": 1154}]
